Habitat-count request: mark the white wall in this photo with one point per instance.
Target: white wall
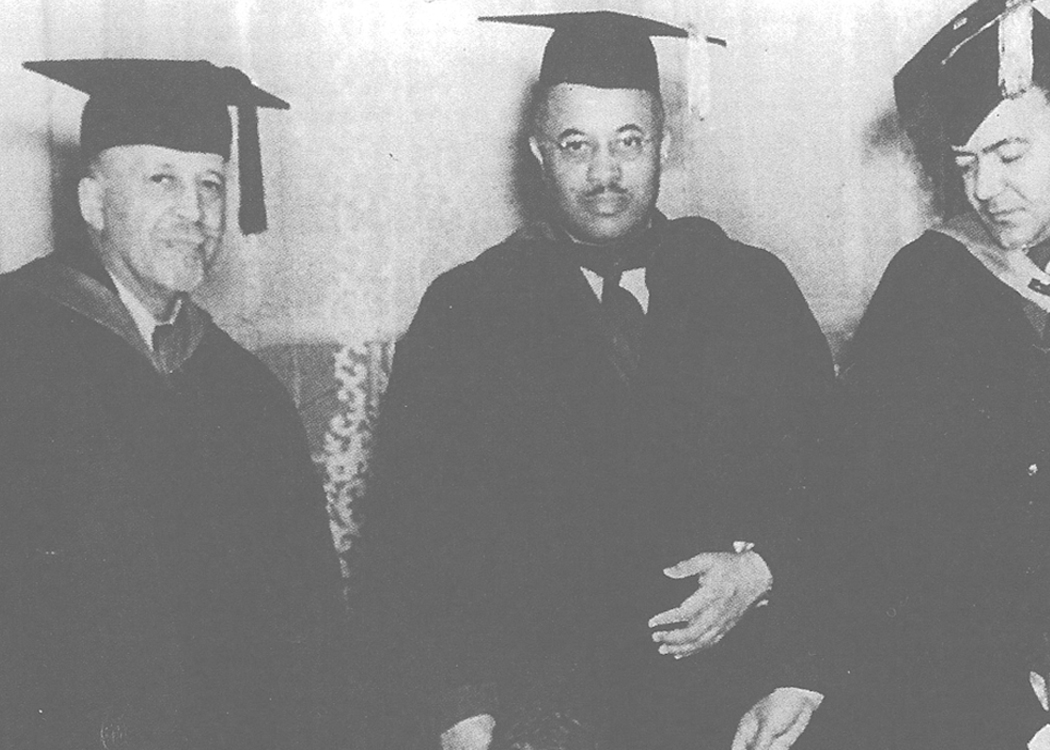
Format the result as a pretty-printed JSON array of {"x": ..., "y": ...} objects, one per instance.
[{"x": 397, "y": 158}]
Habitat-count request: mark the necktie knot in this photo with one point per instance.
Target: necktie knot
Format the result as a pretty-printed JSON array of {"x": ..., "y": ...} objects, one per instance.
[
  {"x": 165, "y": 346},
  {"x": 621, "y": 309},
  {"x": 611, "y": 280},
  {"x": 621, "y": 312},
  {"x": 610, "y": 261}
]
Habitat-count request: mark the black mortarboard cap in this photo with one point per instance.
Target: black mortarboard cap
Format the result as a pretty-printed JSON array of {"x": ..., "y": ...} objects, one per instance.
[
  {"x": 600, "y": 48},
  {"x": 179, "y": 104},
  {"x": 993, "y": 50}
]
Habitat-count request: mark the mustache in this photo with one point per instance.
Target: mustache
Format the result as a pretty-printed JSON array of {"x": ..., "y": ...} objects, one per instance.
[
  {"x": 191, "y": 232},
  {"x": 612, "y": 187}
]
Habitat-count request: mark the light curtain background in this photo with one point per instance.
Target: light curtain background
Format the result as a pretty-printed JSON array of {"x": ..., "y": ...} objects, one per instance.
[{"x": 401, "y": 154}]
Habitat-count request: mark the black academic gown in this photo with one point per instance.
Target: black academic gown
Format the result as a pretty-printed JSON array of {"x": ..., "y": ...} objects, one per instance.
[
  {"x": 947, "y": 504},
  {"x": 167, "y": 575},
  {"x": 530, "y": 491}
]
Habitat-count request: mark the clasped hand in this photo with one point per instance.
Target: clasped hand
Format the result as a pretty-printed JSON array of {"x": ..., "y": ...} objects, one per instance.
[
  {"x": 474, "y": 733},
  {"x": 776, "y": 721},
  {"x": 729, "y": 584}
]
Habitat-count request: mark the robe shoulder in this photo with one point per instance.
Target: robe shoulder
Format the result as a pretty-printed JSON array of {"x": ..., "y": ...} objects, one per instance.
[
  {"x": 929, "y": 272},
  {"x": 932, "y": 292},
  {"x": 33, "y": 323},
  {"x": 238, "y": 369},
  {"x": 703, "y": 260},
  {"x": 24, "y": 311}
]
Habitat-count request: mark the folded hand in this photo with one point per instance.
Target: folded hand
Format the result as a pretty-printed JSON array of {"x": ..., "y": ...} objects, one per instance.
[
  {"x": 776, "y": 721},
  {"x": 729, "y": 584}
]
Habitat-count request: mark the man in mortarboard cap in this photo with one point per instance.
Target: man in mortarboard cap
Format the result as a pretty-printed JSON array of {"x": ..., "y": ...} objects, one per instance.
[
  {"x": 167, "y": 572},
  {"x": 949, "y": 387},
  {"x": 572, "y": 418}
]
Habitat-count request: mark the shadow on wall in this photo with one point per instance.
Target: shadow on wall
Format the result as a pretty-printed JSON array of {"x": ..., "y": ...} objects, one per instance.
[
  {"x": 929, "y": 155},
  {"x": 885, "y": 134},
  {"x": 938, "y": 191},
  {"x": 68, "y": 231},
  {"x": 527, "y": 178}
]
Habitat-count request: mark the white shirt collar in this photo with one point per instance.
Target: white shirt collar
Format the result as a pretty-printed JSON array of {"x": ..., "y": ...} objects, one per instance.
[
  {"x": 144, "y": 320},
  {"x": 633, "y": 281}
]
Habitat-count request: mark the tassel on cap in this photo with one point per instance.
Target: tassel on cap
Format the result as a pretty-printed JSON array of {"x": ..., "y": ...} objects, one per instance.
[
  {"x": 252, "y": 212},
  {"x": 1016, "y": 59},
  {"x": 698, "y": 72},
  {"x": 993, "y": 50}
]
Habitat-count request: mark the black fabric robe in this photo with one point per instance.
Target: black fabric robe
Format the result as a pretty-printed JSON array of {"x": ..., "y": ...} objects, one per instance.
[
  {"x": 528, "y": 497},
  {"x": 948, "y": 506},
  {"x": 166, "y": 571}
]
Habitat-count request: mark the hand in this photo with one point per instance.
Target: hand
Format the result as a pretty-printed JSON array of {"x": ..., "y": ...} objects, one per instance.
[
  {"x": 474, "y": 733},
  {"x": 1039, "y": 685},
  {"x": 730, "y": 583},
  {"x": 776, "y": 721}
]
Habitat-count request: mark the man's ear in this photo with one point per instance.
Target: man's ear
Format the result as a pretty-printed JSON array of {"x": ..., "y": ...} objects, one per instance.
[
  {"x": 534, "y": 147},
  {"x": 665, "y": 147},
  {"x": 89, "y": 194}
]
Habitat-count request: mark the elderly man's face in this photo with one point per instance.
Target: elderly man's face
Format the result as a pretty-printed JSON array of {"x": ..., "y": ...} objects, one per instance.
[
  {"x": 159, "y": 215},
  {"x": 1005, "y": 168},
  {"x": 600, "y": 150}
]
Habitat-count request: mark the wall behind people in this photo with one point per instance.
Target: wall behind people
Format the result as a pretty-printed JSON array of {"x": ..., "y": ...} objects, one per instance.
[
  {"x": 402, "y": 157},
  {"x": 397, "y": 159}
]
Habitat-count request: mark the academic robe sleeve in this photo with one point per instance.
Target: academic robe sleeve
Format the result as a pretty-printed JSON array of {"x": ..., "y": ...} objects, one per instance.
[
  {"x": 311, "y": 685},
  {"x": 906, "y": 398},
  {"x": 425, "y": 567},
  {"x": 792, "y": 463},
  {"x": 741, "y": 410}
]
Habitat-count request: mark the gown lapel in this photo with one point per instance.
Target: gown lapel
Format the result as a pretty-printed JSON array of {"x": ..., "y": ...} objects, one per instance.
[{"x": 87, "y": 296}]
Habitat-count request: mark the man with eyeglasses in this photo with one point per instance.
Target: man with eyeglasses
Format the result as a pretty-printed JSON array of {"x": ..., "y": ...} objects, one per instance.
[{"x": 582, "y": 423}]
